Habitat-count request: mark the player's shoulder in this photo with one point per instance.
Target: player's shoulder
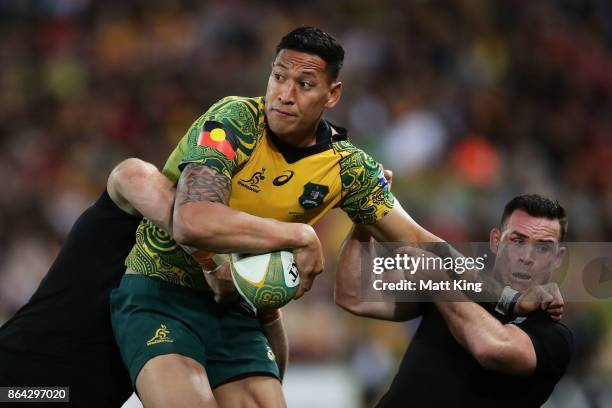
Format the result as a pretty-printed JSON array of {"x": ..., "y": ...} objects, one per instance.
[
  {"x": 540, "y": 325},
  {"x": 366, "y": 197},
  {"x": 354, "y": 159},
  {"x": 242, "y": 116},
  {"x": 565, "y": 333},
  {"x": 244, "y": 104}
]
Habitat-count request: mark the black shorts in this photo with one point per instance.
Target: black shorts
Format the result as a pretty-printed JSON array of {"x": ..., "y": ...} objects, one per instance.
[{"x": 63, "y": 335}]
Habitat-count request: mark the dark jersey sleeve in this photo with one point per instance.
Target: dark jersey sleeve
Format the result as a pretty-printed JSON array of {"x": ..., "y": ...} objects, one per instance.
[
  {"x": 70, "y": 307},
  {"x": 553, "y": 344},
  {"x": 63, "y": 335}
]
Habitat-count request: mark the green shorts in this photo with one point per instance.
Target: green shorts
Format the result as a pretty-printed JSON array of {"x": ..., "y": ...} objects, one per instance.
[{"x": 152, "y": 317}]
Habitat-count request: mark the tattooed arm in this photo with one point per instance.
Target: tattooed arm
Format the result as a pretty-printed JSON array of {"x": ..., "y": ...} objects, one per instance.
[{"x": 202, "y": 219}]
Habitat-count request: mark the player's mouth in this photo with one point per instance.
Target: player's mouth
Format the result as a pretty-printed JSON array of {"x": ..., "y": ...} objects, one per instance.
[
  {"x": 283, "y": 113},
  {"x": 521, "y": 276}
]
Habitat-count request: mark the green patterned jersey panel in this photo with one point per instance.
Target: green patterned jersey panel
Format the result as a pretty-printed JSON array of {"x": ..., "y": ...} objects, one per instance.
[
  {"x": 366, "y": 197},
  {"x": 242, "y": 117},
  {"x": 155, "y": 252}
]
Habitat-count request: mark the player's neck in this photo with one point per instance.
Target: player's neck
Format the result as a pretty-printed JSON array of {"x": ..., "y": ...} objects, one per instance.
[{"x": 299, "y": 140}]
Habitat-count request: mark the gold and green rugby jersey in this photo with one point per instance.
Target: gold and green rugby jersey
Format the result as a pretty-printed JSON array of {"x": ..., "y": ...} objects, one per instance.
[{"x": 269, "y": 179}]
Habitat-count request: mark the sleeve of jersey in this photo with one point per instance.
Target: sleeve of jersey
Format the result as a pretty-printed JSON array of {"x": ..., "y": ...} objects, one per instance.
[
  {"x": 366, "y": 195},
  {"x": 223, "y": 137},
  {"x": 553, "y": 345}
]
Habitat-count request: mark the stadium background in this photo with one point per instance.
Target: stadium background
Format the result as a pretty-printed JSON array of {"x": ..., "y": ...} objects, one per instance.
[{"x": 469, "y": 102}]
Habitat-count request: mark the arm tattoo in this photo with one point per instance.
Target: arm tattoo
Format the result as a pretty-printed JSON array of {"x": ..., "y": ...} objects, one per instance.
[{"x": 202, "y": 183}]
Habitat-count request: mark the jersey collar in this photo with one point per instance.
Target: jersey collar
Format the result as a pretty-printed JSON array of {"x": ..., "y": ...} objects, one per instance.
[{"x": 324, "y": 140}]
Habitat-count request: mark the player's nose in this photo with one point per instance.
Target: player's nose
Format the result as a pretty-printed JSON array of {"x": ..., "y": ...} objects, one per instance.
[
  {"x": 287, "y": 93},
  {"x": 526, "y": 255}
]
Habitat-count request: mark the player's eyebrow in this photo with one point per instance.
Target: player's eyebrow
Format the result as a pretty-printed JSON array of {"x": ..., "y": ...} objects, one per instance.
[
  {"x": 521, "y": 235},
  {"x": 546, "y": 241},
  {"x": 280, "y": 65},
  {"x": 308, "y": 74}
]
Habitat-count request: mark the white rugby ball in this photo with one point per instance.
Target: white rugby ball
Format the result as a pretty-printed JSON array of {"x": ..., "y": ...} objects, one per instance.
[{"x": 265, "y": 281}]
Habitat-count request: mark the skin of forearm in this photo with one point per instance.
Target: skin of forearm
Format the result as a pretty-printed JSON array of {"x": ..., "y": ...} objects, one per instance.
[
  {"x": 203, "y": 219},
  {"x": 498, "y": 347},
  {"x": 218, "y": 228},
  {"x": 138, "y": 188},
  {"x": 348, "y": 274},
  {"x": 349, "y": 281},
  {"x": 471, "y": 325}
]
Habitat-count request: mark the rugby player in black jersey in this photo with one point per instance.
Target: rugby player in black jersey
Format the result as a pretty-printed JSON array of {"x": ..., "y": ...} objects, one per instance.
[{"x": 464, "y": 355}]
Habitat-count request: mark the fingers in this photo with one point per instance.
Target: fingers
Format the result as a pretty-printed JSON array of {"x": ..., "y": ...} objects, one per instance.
[
  {"x": 307, "y": 279},
  {"x": 310, "y": 262},
  {"x": 556, "y": 306},
  {"x": 222, "y": 285},
  {"x": 389, "y": 176},
  {"x": 554, "y": 290},
  {"x": 546, "y": 299},
  {"x": 555, "y": 311},
  {"x": 305, "y": 285}
]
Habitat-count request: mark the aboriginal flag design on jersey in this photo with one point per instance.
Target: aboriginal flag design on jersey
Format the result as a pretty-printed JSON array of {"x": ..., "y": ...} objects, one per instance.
[{"x": 218, "y": 137}]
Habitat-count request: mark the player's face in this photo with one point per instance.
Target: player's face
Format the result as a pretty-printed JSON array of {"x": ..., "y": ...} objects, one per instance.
[
  {"x": 299, "y": 89},
  {"x": 527, "y": 250}
]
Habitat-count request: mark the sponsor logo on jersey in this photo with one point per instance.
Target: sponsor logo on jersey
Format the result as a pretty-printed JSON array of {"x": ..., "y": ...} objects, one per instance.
[
  {"x": 161, "y": 336},
  {"x": 313, "y": 195},
  {"x": 382, "y": 180},
  {"x": 270, "y": 353},
  {"x": 283, "y": 178},
  {"x": 218, "y": 137},
  {"x": 253, "y": 182}
]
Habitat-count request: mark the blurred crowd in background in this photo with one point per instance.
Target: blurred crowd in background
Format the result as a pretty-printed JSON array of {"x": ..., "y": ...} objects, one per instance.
[{"x": 469, "y": 102}]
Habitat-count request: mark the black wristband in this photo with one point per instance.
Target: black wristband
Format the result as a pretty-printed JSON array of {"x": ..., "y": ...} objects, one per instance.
[{"x": 507, "y": 301}]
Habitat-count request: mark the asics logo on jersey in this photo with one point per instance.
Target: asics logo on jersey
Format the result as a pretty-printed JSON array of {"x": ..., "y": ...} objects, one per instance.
[
  {"x": 252, "y": 183},
  {"x": 161, "y": 336},
  {"x": 283, "y": 178}
]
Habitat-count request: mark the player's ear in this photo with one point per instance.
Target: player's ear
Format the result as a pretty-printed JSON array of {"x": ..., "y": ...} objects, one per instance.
[
  {"x": 335, "y": 91},
  {"x": 494, "y": 237},
  {"x": 560, "y": 255}
]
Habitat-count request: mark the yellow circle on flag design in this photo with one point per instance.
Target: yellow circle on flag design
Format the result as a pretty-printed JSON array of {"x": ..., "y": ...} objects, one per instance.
[{"x": 217, "y": 135}]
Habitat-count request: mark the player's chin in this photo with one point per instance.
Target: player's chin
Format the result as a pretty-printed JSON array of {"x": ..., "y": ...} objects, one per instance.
[{"x": 279, "y": 128}]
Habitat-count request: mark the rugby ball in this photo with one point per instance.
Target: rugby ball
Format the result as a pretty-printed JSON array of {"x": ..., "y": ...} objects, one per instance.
[{"x": 265, "y": 281}]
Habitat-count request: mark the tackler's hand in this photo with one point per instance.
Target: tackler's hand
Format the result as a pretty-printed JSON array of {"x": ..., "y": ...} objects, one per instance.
[
  {"x": 546, "y": 297},
  {"x": 220, "y": 281}
]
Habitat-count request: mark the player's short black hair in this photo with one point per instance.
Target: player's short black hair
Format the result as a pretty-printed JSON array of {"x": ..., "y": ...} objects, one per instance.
[
  {"x": 537, "y": 206},
  {"x": 315, "y": 41}
]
